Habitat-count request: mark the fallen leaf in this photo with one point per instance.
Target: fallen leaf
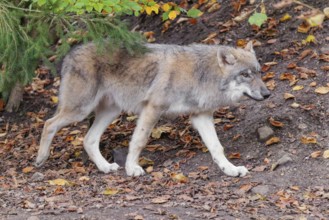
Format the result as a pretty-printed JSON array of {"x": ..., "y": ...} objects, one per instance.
[
  {"x": 246, "y": 187},
  {"x": 285, "y": 17},
  {"x": 272, "y": 140},
  {"x": 179, "y": 177},
  {"x": 295, "y": 105},
  {"x": 268, "y": 75},
  {"x": 322, "y": 90},
  {"x": 326, "y": 68},
  {"x": 292, "y": 66},
  {"x": 234, "y": 156},
  {"x": 326, "y": 11},
  {"x": 54, "y": 99},
  {"x": 275, "y": 123},
  {"x": 161, "y": 199},
  {"x": 27, "y": 169},
  {"x": 228, "y": 127},
  {"x": 157, "y": 132},
  {"x": 308, "y": 140},
  {"x": 309, "y": 39},
  {"x": 316, "y": 20},
  {"x": 296, "y": 188},
  {"x": 326, "y": 154},
  {"x": 297, "y": 88},
  {"x": 143, "y": 162},
  {"x": 60, "y": 182},
  {"x": 259, "y": 168},
  {"x": 110, "y": 191},
  {"x": 271, "y": 85},
  {"x": 288, "y": 96},
  {"x": 316, "y": 154},
  {"x": 313, "y": 84}
]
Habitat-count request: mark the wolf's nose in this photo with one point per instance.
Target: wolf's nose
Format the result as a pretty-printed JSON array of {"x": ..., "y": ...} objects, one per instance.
[{"x": 267, "y": 95}]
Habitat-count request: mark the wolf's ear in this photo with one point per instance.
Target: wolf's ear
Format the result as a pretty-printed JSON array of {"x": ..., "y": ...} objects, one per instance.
[
  {"x": 225, "y": 57},
  {"x": 249, "y": 47}
]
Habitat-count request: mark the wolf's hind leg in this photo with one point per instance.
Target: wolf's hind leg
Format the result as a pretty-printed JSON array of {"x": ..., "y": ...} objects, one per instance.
[
  {"x": 205, "y": 126},
  {"x": 52, "y": 125},
  {"x": 148, "y": 118},
  {"x": 104, "y": 116}
]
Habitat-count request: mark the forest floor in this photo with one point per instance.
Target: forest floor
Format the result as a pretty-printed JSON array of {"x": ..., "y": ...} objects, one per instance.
[{"x": 289, "y": 171}]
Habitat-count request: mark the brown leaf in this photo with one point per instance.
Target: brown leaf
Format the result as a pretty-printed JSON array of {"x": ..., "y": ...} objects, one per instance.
[
  {"x": 272, "y": 140},
  {"x": 288, "y": 96},
  {"x": 316, "y": 154},
  {"x": 275, "y": 123},
  {"x": 288, "y": 76},
  {"x": 179, "y": 177},
  {"x": 271, "y": 85},
  {"x": 27, "y": 169},
  {"x": 305, "y": 53},
  {"x": 259, "y": 168},
  {"x": 268, "y": 75},
  {"x": 228, "y": 127},
  {"x": 291, "y": 66},
  {"x": 246, "y": 187},
  {"x": 234, "y": 156},
  {"x": 160, "y": 199},
  {"x": 308, "y": 140},
  {"x": 310, "y": 72},
  {"x": 325, "y": 68},
  {"x": 324, "y": 57}
]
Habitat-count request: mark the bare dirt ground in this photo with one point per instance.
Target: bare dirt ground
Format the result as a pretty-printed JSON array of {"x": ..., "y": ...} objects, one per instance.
[{"x": 289, "y": 173}]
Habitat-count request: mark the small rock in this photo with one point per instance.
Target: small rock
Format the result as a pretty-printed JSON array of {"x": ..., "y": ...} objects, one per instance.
[
  {"x": 120, "y": 155},
  {"x": 283, "y": 160},
  {"x": 264, "y": 133},
  {"x": 37, "y": 177},
  {"x": 261, "y": 189}
]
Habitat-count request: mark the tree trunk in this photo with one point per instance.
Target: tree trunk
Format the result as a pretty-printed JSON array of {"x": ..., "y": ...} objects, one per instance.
[{"x": 15, "y": 98}]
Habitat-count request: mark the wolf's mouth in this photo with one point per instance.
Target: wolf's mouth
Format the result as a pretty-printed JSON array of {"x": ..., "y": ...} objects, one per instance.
[{"x": 254, "y": 98}]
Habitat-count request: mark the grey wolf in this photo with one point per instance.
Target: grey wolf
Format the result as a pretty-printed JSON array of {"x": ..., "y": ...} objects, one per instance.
[{"x": 166, "y": 80}]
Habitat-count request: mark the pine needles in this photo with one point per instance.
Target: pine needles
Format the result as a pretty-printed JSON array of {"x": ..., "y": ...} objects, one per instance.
[{"x": 29, "y": 36}]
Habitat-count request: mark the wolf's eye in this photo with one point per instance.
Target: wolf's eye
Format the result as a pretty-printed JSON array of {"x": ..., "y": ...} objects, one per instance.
[{"x": 244, "y": 74}]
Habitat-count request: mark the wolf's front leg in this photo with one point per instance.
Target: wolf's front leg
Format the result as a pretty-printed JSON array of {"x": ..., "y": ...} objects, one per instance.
[
  {"x": 205, "y": 126},
  {"x": 148, "y": 118}
]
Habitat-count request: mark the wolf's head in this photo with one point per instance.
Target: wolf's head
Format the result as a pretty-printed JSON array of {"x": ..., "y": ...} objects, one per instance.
[{"x": 241, "y": 68}]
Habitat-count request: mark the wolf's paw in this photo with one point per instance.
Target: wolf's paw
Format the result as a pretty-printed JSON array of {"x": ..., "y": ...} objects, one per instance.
[
  {"x": 134, "y": 170},
  {"x": 235, "y": 171},
  {"x": 108, "y": 167},
  {"x": 40, "y": 160}
]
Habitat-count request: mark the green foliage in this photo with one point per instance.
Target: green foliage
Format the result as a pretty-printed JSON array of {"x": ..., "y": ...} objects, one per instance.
[
  {"x": 257, "y": 19},
  {"x": 29, "y": 31}
]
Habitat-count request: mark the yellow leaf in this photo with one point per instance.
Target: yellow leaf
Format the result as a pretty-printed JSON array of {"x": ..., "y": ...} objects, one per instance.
[
  {"x": 316, "y": 20},
  {"x": 326, "y": 154},
  {"x": 285, "y": 17},
  {"x": 297, "y": 88},
  {"x": 110, "y": 191},
  {"x": 148, "y": 10},
  {"x": 27, "y": 169},
  {"x": 172, "y": 15},
  {"x": 155, "y": 8},
  {"x": 179, "y": 177},
  {"x": 309, "y": 39},
  {"x": 308, "y": 140},
  {"x": 60, "y": 182},
  {"x": 295, "y": 105},
  {"x": 273, "y": 140},
  {"x": 54, "y": 99},
  {"x": 166, "y": 7},
  {"x": 322, "y": 90}
]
